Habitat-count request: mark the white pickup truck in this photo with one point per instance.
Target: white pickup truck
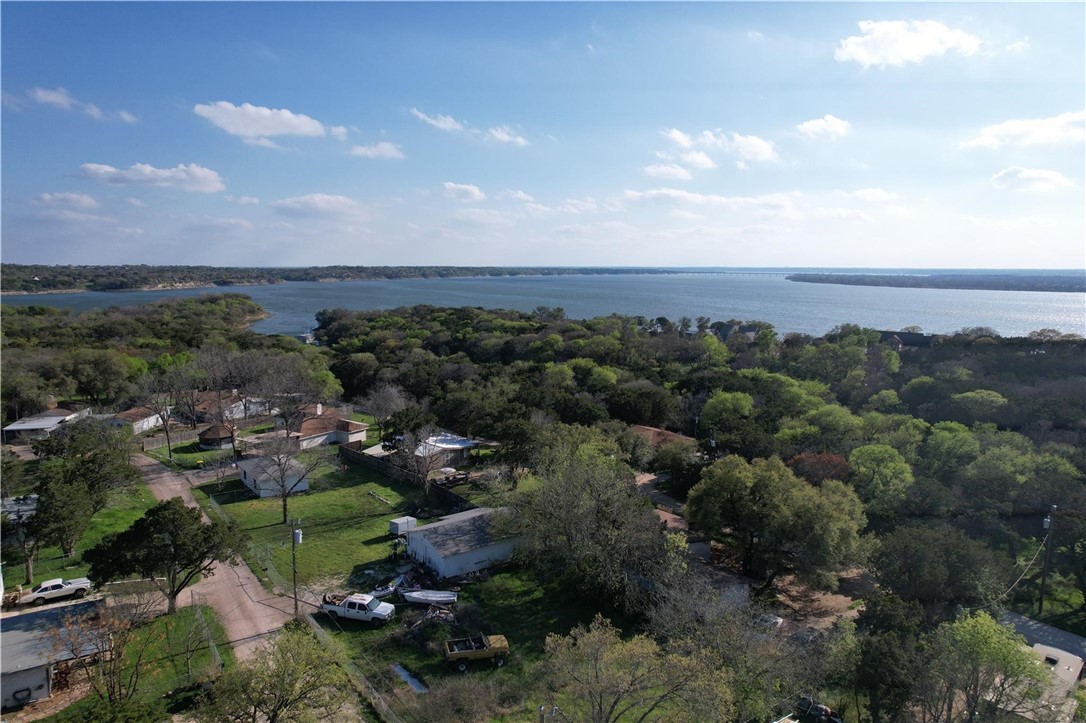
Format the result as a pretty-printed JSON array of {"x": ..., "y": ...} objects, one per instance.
[
  {"x": 358, "y": 606},
  {"x": 55, "y": 589}
]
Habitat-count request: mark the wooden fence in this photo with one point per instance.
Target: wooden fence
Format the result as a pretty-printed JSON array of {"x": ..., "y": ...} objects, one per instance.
[{"x": 448, "y": 498}]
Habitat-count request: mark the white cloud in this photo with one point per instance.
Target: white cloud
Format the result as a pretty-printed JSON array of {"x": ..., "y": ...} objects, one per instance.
[
  {"x": 219, "y": 226},
  {"x": 679, "y": 138},
  {"x": 243, "y": 200},
  {"x": 828, "y": 126},
  {"x": 185, "y": 176},
  {"x": 697, "y": 159},
  {"x": 517, "y": 195},
  {"x": 481, "y": 217},
  {"x": 873, "y": 195},
  {"x": 262, "y": 143},
  {"x": 755, "y": 35},
  {"x": 848, "y": 214},
  {"x": 257, "y": 124},
  {"x": 136, "y": 202},
  {"x": 58, "y": 98},
  {"x": 747, "y": 148},
  {"x": 316, "y": 204},
  {"x": 441, "y": 122},
  {"x": 62, "y": 99},
  {"x": 578, "y": 205},
  {"x": 772, "y": 203},
  {"x": 505, "y": 134},
  {"x": 1013, "y": 224},
  {"x": 669, "y": 171},
  {"x": 898, "y": 42},
  {"x": 70, "y": 200},
  {"x": 464, "y": 192},
  {"x": 1064, "y": 128},
  {"x": 338, "y": 132},
  {"x": 682, "y": 213},
  {"x": 1019, "y": 46},
  {"x": 383, "y": 149},
  {"x": 75, "y": 217},
  {"x": 1036, "y": 180}
]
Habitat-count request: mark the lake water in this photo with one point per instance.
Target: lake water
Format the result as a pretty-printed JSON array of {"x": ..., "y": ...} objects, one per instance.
[{"x": 788, "y": 305}]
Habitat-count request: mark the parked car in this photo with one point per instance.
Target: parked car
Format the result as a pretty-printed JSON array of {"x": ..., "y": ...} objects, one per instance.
[
  {"x": 462, "y": 651},
  {"x": 56, "y": 589},
  {"x": 358, "y": 606}
]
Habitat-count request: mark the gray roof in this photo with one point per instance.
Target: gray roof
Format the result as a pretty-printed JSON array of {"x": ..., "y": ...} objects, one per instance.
[
  {"x": 26, "y": 641},
  {"x": 46, "y": 420},
  {"x": 1037, "y": 632},
  {"x": 262, "y": 468},
  {"x": 459, "y": 533}
]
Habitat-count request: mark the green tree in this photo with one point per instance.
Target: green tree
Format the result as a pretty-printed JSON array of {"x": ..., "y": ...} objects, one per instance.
[
  {"x": 976, "y": 669},
  {"x": 92, "y": 454},
  {"x": 881, "y": 477},
  {"x": 64, "y": 509},
  {"x": 585, "y": 523},
  {"x": 777, "y": 521},
  {"x": 938, "y": 567},
  {"x": 291, "y": 679},
  {"x": 170, "y": 544},
  {"x": 608, "y": 679}
]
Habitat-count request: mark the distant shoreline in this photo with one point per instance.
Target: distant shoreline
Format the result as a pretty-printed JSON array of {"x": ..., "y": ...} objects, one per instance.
[{"x": 964, "y": 282}]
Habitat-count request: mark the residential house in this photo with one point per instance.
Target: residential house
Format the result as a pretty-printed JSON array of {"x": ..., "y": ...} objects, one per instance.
[
  {"x": 461, "y": 543},
  {"x": 445, "y": 449},
  {"x": 39, "y": 426},
  {"x": 29, "y": 660},
  {"x": 262, "y": 475},
  {"x": 138, "y": 419},
  {"x": 330, "y": 428},
  {"x": 213, "y": 406}
]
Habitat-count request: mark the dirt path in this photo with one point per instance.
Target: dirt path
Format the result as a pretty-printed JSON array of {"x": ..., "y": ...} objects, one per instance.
[{"x": 248, "y": 611}]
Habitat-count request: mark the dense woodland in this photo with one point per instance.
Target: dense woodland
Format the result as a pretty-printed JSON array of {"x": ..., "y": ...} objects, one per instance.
[
  {"x": 995, "y": 282},
  {"x": 931, "y": 467},
  {"x": 36, "y": 278}
]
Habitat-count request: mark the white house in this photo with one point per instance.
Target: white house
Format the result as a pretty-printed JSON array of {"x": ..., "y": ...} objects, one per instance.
[
  {"x": 38, "y": 426},
  {"x": 265, "y": 476},
  {"x": 461, "y": 543},
  {"x": 28, "y": 659},
  {"x": 138, "y": 419},
  {"x": 446, "y": 449},
  {"x": 330, "y": 428}
]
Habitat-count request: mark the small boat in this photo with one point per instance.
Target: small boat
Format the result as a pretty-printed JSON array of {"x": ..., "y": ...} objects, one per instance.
[
  {"x": 386, "y": 590},
  {"x": 428, "y": 597}
]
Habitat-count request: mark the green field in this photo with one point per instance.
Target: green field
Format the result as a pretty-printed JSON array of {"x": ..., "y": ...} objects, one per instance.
[
  {"x": 168, "y": 668},
  {"x": 345, "y": 519},
  {"x": 188, "y": 456},
  {"x": 126, "y": 506}
]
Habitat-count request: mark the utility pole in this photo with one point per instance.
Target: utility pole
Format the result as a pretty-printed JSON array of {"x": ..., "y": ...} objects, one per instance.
[
  {"x": 295, "y": 540},
  {"x": 1050, "y": 527}
]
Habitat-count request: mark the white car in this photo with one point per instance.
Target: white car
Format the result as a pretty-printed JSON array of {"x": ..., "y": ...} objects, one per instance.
[{"x": 55, "y": 589}]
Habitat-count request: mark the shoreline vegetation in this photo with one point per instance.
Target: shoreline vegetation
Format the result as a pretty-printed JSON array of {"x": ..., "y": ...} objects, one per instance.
[
  {"x": 24, "y": 279},
  {"x": 971, "y": 282}
]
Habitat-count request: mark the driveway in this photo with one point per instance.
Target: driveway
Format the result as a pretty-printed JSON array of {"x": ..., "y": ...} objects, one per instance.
[{"x": 247, "y": 611}]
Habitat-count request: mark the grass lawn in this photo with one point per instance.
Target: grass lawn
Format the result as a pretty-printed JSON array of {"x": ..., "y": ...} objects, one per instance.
[
  {"x": 344, "y": 519},
  {"x": 125, "y": 508},
  {"x": 167, "y": 666},
  {"x": 188, "y": 456}
]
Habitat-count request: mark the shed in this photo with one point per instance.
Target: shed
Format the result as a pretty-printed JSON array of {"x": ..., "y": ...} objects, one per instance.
[
  {"x": 461, "y": 543},
  {"x": 262, "y": 476},
  {"x": 402, "y": 525},
  {"x": 27, "y": 656},
  {"x": 217, "y": 436}
]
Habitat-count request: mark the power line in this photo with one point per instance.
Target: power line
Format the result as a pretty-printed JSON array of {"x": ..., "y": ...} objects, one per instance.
[{"x": 1007, "y": 592}]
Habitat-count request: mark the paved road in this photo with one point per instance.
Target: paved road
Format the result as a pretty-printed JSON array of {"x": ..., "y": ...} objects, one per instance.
[{"x": 248, "y": 611}]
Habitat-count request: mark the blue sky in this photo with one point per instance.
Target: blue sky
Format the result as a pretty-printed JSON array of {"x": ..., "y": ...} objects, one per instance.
[{"x": 724, "y": 134}]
